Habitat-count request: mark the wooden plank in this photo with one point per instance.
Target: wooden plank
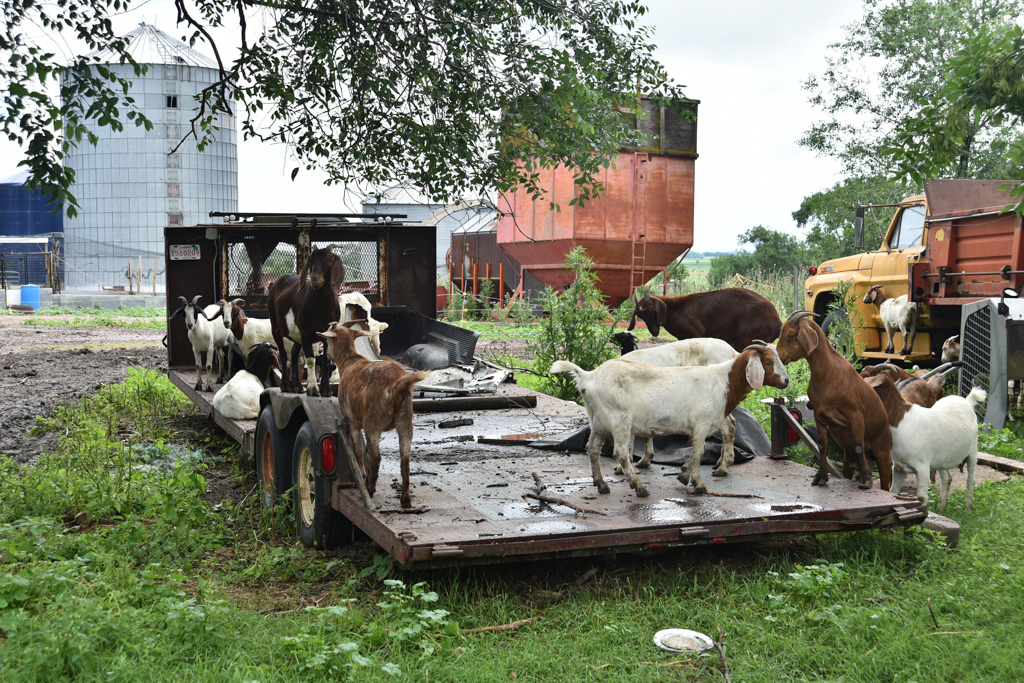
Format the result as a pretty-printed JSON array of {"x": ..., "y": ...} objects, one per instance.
[{"x": 1004, "y": 464}]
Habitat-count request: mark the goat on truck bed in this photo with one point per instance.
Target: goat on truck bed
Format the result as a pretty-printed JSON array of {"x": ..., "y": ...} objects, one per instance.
[
  {"x": 299, "y": 310},
  {"x": 844, "y": 405},
  {"x": 375, "y": 397},
  {"x": 896, "y": 312},
  {"x": 626, "y": 399},
  {"x": 735, "y": 315}
]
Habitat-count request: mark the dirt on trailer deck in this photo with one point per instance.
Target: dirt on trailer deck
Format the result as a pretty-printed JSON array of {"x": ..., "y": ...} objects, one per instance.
[{"x": 44, "y": 367}]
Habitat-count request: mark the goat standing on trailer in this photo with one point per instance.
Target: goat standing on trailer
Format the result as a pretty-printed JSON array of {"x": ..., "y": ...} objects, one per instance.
[
  {"x": 844, "y": 405},
  {"x": 927, "y": 439},
  {"x": 201, "y": 333},
  {"x": 735, "y": 315},
  {"x": 626, "y": 399},
  {"x": 895, "y": 313},
  {"x": 374, "y": 397},
  {"x": 299, "y": 310}
]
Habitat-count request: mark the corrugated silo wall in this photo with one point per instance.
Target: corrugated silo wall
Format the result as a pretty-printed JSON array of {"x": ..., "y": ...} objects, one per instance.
[
  {"x": 129, "y": 187},
  {"x": 23, "y": 212}
]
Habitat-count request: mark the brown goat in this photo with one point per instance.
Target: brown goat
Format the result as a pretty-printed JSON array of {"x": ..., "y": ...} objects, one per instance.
[
  {"x": 735, "y": 315},
  {"x": 299, "y": 310},
  {"x": 844, "y": 405},
  {"x": 375, "y": 397}
]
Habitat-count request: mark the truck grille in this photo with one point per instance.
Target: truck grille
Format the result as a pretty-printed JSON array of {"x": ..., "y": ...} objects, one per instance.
[{"x": 975, "y": 352}]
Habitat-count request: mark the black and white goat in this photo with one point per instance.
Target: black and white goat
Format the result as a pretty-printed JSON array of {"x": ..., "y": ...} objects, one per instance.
[{"x": 206, "y": 337}]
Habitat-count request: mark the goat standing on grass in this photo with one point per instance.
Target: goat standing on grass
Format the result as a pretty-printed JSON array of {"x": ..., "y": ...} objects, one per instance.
[
  {"x": 375, "y": 397},
  {"x": 926, "y": 439},
  {"x": 626, "y": 399},
  {"x": 898, "y": 312},
  {"x": 204, "y": 337},
  {"x": 299, "y": 310},
  {"x": 844, "y": 405}
]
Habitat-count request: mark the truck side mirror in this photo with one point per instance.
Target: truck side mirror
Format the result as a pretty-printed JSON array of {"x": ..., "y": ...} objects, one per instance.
[{"x": 858, "y": 229}]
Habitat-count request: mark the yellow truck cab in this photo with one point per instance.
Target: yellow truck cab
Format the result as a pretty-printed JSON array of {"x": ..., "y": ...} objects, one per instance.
[{"x": 889, "y": 265}]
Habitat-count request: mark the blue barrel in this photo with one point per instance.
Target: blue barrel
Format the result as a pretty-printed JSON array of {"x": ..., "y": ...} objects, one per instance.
[{"x": 30, "y": 296}]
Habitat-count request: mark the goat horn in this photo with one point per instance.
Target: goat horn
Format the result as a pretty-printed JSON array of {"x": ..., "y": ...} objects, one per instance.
[
  {"x": 195, "y": 300},
  {"x": 756, "y": 347},
  {"x": 183, "y": 300},
  {"x": 797, "y": 315},
  {"x": 758, "y": 341},
  {"x": 237, "y": 302}
]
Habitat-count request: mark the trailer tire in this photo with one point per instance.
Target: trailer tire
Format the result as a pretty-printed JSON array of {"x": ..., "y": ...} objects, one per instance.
[
  {"x": 318, "y": 524},
  {"x": 273, "y": 459}
]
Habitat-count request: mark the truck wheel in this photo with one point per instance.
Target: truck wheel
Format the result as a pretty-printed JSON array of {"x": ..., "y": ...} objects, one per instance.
[
  {"x": 319, "y": 525},
  {"x": 273, "y": 458}
]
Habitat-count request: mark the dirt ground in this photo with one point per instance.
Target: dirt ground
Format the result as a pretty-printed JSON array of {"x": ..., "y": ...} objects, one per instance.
[{"x": 44, "y": 367}]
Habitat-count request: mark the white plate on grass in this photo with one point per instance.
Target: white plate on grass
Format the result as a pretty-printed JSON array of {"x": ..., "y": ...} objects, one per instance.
[{"x": 682, "y": 640}]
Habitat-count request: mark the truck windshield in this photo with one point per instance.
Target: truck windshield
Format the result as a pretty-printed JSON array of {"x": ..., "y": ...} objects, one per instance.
[{"x": 909, "y": 228}]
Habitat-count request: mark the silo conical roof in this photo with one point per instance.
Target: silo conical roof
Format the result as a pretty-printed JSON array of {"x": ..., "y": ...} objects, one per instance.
[{"x": 149, "y": 45}]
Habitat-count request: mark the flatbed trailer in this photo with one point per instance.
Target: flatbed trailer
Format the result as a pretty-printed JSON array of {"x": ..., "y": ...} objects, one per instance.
[{"x": 467, "y": 495}]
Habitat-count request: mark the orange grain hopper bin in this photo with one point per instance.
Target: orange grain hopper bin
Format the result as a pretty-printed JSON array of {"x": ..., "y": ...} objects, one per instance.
[{"x": 633, "y": 231}]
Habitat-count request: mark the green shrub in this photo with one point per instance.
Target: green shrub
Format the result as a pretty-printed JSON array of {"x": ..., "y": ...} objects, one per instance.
[{"x": 573, "y": 328}]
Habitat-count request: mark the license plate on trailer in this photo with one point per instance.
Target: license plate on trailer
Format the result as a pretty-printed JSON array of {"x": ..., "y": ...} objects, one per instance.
[{"x": 184, "y": 252}]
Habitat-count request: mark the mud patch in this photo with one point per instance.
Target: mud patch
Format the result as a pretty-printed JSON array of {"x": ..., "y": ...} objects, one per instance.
[{"x": 44, "y": 367}]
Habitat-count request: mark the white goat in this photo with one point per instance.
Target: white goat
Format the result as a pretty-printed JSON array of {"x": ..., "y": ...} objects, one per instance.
[
  {"x": 951, "y": 349},
  {"x": 358, "y": 300},
  {"x": 221, "y": 334},
  {"x": 926, "y": 439},
  {"x": 700, "y": 351},
  {"x": 898, "y": 312},
  {"x": 626, "y": 399},
  {"x": 239, "y": 399},
  {"x": 203, "y": 335}
]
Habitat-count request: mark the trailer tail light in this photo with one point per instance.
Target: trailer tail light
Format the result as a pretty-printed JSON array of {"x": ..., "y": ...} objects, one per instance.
[
  {"x": 813, "y": 270},
  {"x": 791, "y": 434},
  {"x": 327, "y": 455}
]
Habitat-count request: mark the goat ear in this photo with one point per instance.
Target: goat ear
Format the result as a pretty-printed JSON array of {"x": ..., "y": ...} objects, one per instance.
[
  {"x": 808, "y": 339},
  {"x": 329, "y": 334},
  {"x": 662, "y": 310},
  {"x": 632, "y": 321},
  {"x": 337, "y": 275},
  {"x": 755, "y": 372}
]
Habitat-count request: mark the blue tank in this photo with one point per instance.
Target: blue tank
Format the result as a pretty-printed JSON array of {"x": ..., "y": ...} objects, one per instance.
[{"x": 24, "y": 213}]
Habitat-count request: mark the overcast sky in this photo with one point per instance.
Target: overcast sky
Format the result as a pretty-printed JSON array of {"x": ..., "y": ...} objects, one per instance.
[{"x": 744, "y": 60}]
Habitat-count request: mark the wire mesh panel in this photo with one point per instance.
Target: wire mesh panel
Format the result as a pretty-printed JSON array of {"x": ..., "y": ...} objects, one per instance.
[
  {"x": 976, "y": 350},
  {"x": 254, "y": 263},
  {"x": 362, "y": 266}
]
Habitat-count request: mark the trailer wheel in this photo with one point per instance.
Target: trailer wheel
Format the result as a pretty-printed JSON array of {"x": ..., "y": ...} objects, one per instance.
[
  {"x": 273, "y": 458},
  {"x": 319, "y": 525}
]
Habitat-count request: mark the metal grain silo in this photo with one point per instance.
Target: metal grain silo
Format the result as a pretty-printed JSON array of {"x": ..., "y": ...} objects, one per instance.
[
  {"x": 641, "y": 223},
  {"x": 129, "y": 186}
]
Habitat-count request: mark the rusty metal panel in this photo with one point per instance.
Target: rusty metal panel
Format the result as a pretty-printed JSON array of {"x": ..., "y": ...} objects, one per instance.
[{"x": 951, "y": 196}]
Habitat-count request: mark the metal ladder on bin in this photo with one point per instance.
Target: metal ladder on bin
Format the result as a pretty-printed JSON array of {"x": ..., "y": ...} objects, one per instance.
[{"x": 638, "y": 242}]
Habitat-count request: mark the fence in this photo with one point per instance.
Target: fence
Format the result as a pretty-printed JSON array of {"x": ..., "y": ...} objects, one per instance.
[{"x": 41, "y": 268}]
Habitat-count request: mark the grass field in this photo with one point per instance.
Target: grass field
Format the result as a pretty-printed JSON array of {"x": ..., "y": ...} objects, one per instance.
[
  {"x": 116, "y": 566},
  {"x": 136, "y": 318}
]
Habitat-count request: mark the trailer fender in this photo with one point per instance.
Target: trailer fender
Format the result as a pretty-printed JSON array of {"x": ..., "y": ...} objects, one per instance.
[{"x": 283, "y": 405}]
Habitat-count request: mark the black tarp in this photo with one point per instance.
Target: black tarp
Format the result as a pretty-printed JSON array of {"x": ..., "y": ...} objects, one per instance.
[{"x": 675, "y": 449}]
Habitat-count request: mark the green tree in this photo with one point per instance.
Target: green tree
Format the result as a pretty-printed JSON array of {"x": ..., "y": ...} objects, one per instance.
[
  {"x": 828, "y": 215},
  {"x": 773, "y": 251},
  {"x": 455, "y": 97},
  {"x": 888, "y": 66},
  {"x": 984, "y": 81}
]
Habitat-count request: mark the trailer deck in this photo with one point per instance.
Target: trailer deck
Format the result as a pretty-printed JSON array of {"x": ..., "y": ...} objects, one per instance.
[{"x": 468, "y": 505}]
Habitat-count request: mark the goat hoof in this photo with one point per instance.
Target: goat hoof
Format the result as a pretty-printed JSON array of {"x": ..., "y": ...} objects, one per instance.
[
  {"x": 198, "y": 387},
  {"x": 720, "y": 473},
  {"x": 683, "y": 479},
  {"x": 618, "y": 469},
  {"x": 406, "y": 502},
  {"x": 820, "y": 479},
  {"x": 889, "y": 349},
  {"x": 603, "y": 488},
  {"x": 641, "y": 492},
  {"x": 700, "y": 489}
]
